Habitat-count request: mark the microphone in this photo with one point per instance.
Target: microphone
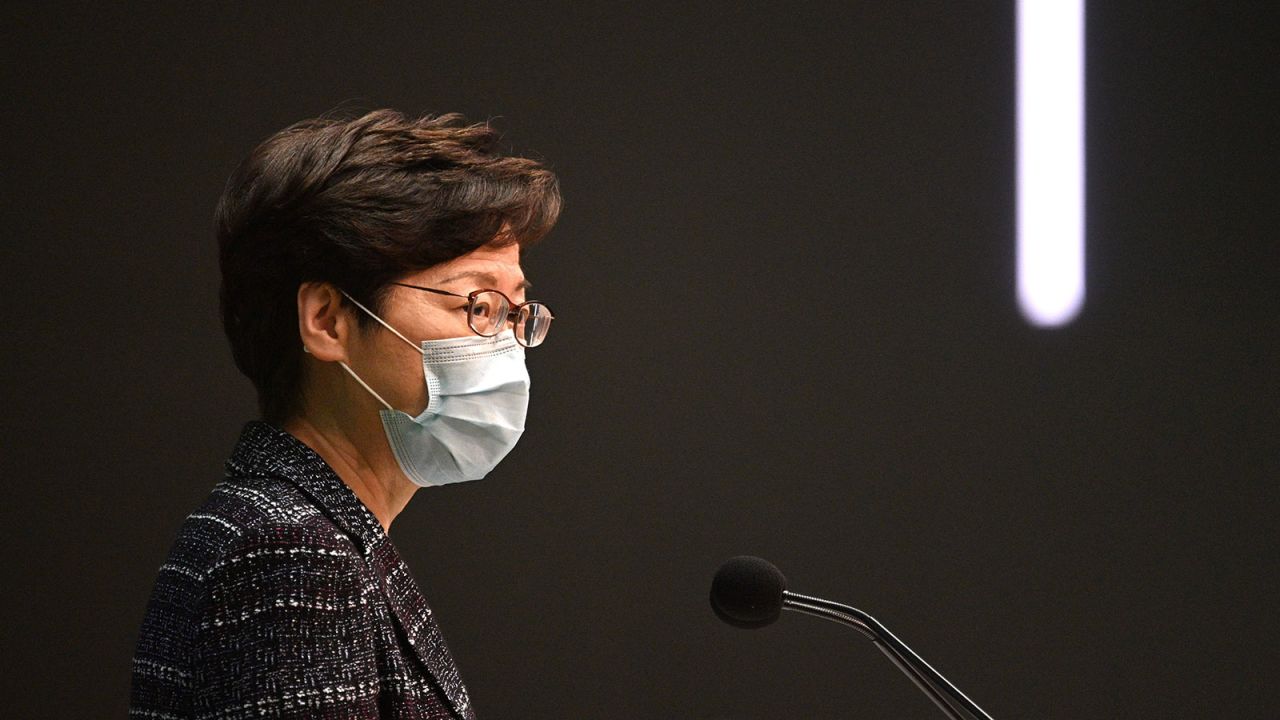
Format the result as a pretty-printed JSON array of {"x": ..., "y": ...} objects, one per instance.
[{"x": 749, "y": 592}]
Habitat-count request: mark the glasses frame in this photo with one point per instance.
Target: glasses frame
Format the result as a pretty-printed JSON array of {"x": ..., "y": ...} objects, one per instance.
[{"x": 513, "y": 314}]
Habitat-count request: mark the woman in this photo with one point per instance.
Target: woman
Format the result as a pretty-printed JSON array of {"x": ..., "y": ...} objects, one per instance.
[{"x": 373, "y": 294}]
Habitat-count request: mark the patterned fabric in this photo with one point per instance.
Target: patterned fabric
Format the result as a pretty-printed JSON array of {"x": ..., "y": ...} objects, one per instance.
[{"x": 282, "y": 597}]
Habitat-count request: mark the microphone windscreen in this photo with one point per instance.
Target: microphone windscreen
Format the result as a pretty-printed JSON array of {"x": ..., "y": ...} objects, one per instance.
[{"x": 747, "y": 592}]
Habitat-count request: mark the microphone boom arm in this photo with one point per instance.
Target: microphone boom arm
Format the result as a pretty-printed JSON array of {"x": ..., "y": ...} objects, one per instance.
[{"x": 946, "y": 696}]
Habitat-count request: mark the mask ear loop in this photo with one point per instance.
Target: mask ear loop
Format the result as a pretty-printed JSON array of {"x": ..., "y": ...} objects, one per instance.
[{"x": 363, "y": 384}]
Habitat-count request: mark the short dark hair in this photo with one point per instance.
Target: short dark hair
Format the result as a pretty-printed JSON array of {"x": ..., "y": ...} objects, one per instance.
[{"x": 359, "y": 203}]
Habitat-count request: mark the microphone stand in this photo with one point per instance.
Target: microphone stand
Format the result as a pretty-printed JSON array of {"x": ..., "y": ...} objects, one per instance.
[{"x": 946, "y": 696}]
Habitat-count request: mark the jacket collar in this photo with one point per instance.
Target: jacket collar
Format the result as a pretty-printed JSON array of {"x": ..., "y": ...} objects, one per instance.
[{"x": 265, "y": 451}]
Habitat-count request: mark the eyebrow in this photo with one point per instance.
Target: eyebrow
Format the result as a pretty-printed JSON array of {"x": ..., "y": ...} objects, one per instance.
[{"x": 487, "y": 277}]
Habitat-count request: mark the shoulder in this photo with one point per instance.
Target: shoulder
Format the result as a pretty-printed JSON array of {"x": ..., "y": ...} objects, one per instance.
[{"x": 269, "y": 516}]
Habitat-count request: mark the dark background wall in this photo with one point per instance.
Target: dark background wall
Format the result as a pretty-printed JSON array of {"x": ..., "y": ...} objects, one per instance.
[{"x": 785, "y": 282}]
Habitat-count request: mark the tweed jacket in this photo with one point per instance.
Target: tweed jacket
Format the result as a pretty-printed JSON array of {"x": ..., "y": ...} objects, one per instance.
[{"x": 282, "y": 597}]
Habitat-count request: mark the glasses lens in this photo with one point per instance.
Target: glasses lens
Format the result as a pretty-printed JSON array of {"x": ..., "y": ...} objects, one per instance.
[
  {"x": 489, "y": 310},
  {"x": 532, "y": 324}
]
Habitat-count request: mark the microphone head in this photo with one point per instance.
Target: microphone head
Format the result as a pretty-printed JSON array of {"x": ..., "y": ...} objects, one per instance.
[{"x": 747, "y": 592}]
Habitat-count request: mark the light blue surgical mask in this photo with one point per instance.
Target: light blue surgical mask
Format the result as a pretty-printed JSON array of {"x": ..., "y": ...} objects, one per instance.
[{"x": 477, "y": 398}]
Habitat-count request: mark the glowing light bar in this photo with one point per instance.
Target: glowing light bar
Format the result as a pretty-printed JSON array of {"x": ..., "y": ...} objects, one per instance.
[{"x": 1050, "y": 160}]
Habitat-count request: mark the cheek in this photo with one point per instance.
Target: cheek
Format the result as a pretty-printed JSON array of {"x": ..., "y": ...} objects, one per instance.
[
  {"x": 394, "y": 370},
  {"x": 435, "y": 323},
  {"x": 405, "y": 380},
  {"x": 445, "y": 325}
]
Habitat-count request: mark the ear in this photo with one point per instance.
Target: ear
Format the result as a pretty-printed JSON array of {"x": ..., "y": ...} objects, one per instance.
[{"x": 324, "y": 325}]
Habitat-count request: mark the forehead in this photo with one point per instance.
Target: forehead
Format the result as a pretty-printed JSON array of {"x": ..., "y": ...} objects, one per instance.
[{"x": 486, "y": 265}]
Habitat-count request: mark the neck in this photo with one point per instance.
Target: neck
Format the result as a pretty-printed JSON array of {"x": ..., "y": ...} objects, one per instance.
[{"x": 373, "y": 476}]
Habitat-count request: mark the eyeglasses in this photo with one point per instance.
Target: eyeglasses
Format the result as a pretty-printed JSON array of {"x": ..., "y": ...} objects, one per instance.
[{"x": 489, "y": 311}]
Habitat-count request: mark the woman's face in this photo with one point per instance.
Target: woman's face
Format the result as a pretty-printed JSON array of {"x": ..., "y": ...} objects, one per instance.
[{"x": 389, "y": 364}]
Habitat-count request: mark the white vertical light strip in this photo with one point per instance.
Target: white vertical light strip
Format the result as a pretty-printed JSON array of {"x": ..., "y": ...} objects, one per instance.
[{"x": 1050, "y": 160}]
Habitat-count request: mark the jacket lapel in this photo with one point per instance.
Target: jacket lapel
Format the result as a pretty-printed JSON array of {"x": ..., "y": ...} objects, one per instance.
[
  {"x": 266, "y": 451},
  {"x": 420, "y": 628}
]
